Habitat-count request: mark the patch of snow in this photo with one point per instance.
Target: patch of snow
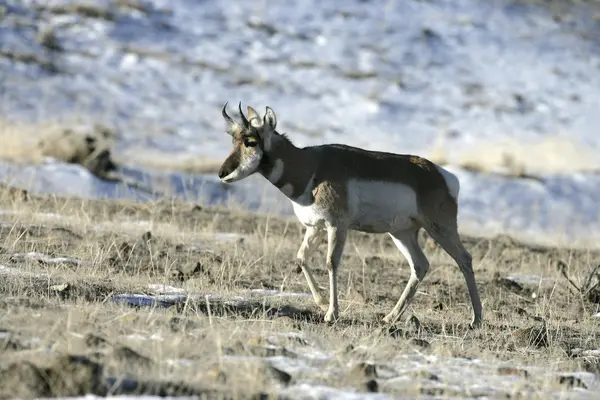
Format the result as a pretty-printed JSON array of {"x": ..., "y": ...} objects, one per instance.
[
  {"x": 558, "y": 210},
  {"x": 456, "y": 377},
  {"x": 273, "y": 292},
  {"x": 180, "y": 362},
  {"x": 47, "y": 259},
  {"x": 5, "y": 269},
  {"x": 161, "y": 288},
  {"x": 229, "y": 237},
  {"x": 162, "y": 300},
  {"x": 532, "y": 280},
  {"x": 166, "y": 296},
  {"x": 139, "y": 336},
  {"x": 586, "y": 353},
  {"x": 124, "y": 397},
  {"x": 464, "y": 375},
  {"x": 306, "y": 390},
  {"x": 302, "y": 366}
]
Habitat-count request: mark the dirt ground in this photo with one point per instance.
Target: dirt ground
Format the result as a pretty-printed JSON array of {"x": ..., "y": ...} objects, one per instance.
[{"x": 220, "y": 311}]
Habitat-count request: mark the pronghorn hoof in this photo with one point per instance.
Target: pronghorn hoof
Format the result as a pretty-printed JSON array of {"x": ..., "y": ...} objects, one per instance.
[
  {"x": 475, "y": 324},
  {"x": 388, "y": 319},
  {"x": 331, "y": 317}
]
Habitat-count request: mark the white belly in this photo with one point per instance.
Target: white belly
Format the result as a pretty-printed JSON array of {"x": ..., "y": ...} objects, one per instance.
[
  {"x": 380, "y": 207},
  {"x": 311, "y": 215}
]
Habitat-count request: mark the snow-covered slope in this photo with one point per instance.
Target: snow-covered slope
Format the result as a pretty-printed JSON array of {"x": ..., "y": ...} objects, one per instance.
[{"x": 495, "y": 85}]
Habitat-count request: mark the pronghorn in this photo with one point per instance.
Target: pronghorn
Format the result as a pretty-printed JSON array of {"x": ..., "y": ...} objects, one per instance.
[{"x": 335, "y": 188}]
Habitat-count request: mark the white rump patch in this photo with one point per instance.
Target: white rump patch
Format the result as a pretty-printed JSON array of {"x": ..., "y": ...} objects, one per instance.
[
  {"x": 451, "y": 181},
  {"x": 379, "y": 207}
]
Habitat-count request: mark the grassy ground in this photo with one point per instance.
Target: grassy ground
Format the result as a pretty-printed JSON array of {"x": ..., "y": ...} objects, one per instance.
[{"x": 63, "y": 333}]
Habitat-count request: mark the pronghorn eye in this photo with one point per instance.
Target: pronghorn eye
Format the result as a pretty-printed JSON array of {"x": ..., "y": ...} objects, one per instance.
[{"x": 250, "y": 142}]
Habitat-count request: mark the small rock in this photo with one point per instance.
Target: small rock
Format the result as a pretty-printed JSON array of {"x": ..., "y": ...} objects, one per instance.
[
  {"x": 47, "y": 38},
  {"x": 420, "y": 342},
  {"x": 92, "y": 340},
  {"x": 131, "y": 357},
  {"x": 423, "y": 374},
  {"x": 413, "y": 326},
  {"x": 372, "y": 386},
  {"x": 521, "y": 311},
  {"x": 374, "y": 262},
  {"x": 365, "y": 370},
  {"x": 536, "y": 336},
  {"x": 513, "y": 371},
  {"x": 509, "y": 284},
  {"x": 278, "y": 374},
  {"x": 61, "y": 288},
  {"x": 68, "y": 376},
  {"x": 435, "y": 391},
  {"x": 188, "y": 272}
]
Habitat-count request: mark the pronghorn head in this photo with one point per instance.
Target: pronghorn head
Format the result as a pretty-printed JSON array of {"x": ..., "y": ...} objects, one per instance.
[{"x": 251, "y": 139}]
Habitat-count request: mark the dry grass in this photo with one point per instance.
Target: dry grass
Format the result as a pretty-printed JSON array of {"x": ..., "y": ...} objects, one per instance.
[
  {"x": 158, "y": 161},
  {"x": 73, "y": 141},
  {"x": 66, "y": 336},
  {"x": 19, "y": 142},
  {"x": 557, "y": 154}
]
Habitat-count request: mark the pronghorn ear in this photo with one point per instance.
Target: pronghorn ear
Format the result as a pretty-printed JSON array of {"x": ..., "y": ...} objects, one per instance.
[
  {"x": 270, "y": 119},
  {"x": 253, "y": 117}
]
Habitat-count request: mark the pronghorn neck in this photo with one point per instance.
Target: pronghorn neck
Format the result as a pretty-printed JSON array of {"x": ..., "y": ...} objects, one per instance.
[{"x": 288, "y": 167}]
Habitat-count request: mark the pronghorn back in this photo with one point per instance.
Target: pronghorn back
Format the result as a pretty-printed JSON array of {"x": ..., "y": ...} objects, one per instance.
[
  {"x": 431, "y": 184},
  {"x": 419, "y": 173},
  {"x": 335, "y": 188}
]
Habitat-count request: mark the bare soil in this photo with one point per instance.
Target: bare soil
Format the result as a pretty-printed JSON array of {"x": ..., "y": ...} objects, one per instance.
[{"x": 69, "y": 325}]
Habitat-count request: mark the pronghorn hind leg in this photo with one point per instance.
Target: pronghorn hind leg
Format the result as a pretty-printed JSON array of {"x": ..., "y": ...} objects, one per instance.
[
  {"x": 336, "y": 239},
  {"x": 312, "y": 239},
  {"x": 408, "y": 244},
  {"x": 449, "y": 240}
]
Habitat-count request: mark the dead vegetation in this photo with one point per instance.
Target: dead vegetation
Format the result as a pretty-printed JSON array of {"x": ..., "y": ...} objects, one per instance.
[
  {"x": 90, "y": 146},
  {"x": 69, "y": 268},
  {"x": 557, "y": 154}
]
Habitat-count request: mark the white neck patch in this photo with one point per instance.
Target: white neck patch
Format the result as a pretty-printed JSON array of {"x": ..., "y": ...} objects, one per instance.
[{"x": 276, "y": 172}]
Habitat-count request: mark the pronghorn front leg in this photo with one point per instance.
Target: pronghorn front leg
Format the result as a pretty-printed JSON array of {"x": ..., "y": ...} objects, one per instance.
[
  {"x": 312, "y": 239},
  {"x": 336, "y": 238}
]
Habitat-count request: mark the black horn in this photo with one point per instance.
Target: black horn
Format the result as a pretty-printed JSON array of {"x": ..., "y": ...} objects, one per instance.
[
  {"x": 227, "y": 117},
  {"x": 244, "y": 119}
]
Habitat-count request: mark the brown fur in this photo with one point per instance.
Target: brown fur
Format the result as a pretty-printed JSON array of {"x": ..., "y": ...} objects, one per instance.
[
  {"x": 319, "y": 176},
  {"x": 334, "y": 164},
  {"x": 297, "y": 177}
]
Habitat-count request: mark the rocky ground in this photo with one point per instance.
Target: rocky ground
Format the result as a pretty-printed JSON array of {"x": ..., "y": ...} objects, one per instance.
[{"x": 168, "y": 298}]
